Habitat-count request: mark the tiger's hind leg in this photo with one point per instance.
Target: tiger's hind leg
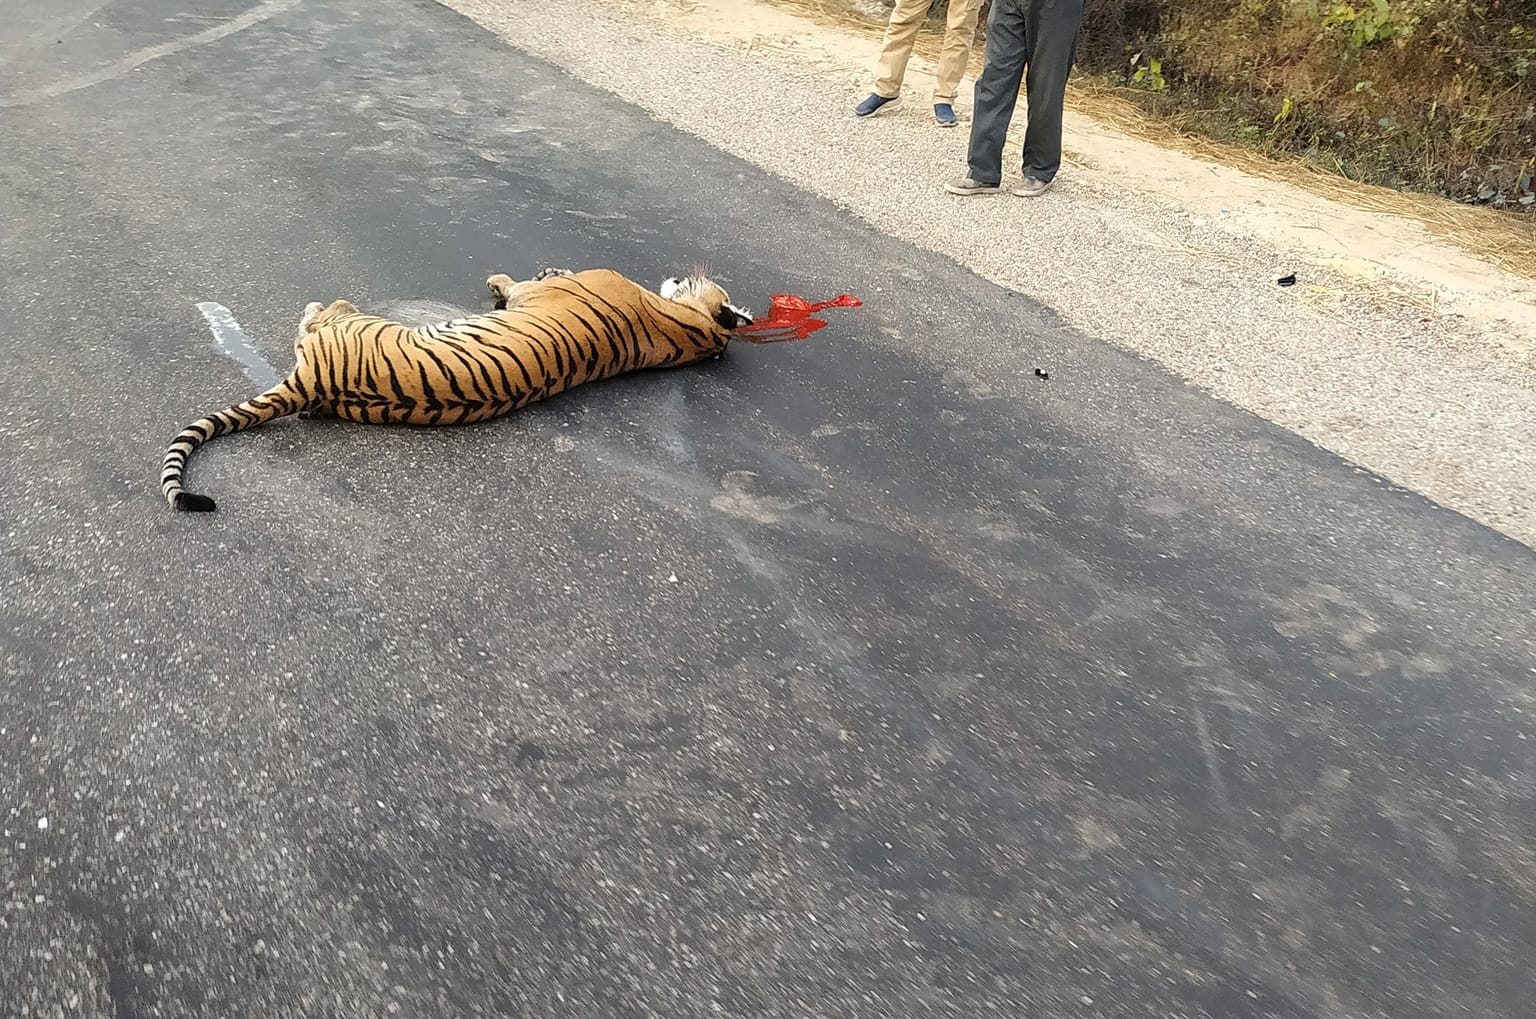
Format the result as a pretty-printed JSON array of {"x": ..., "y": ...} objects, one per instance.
[
  {"x": 315, "y": 315},
  {"x": 307, "y": 325},
  {"x": 501, "y": 287},
  {"x": 307, "y": 322},
  {"x": 506, "y": 290}
]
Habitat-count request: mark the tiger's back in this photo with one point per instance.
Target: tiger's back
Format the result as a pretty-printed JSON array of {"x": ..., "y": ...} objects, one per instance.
[{"x": 569, "y": 331}]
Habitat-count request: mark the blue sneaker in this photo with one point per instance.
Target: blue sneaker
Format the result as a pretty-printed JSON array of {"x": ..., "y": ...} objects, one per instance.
[
  {"x": 944, "y": 113},
  {"x": 870, "y": 105}
]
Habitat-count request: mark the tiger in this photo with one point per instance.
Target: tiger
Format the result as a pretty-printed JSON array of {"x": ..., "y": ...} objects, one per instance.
[{"x": 547, "y": 334}]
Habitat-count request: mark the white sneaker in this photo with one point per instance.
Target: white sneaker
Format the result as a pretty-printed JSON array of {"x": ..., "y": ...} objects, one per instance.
[
  {"x": 967, "y": 186},
  {"x": 1029, "y": 188}
]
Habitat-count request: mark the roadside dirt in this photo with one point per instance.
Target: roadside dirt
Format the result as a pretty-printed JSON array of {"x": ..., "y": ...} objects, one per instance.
[{"x": 1389, "y": 257}]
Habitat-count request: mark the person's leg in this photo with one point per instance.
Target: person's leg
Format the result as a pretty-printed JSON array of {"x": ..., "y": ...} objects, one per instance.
[
  {"x": 997, "y": 91},
  {"x": 1053, "y": 28},
  {"x": 959, "y": 37},
  {"x": 900, "y": 34}
]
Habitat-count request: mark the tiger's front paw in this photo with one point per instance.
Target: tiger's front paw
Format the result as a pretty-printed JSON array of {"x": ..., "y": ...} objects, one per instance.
[{"x": 546, "y": 273}]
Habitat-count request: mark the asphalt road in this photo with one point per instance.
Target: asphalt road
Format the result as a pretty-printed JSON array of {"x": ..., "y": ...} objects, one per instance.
[{"x": 866, "y": 676}]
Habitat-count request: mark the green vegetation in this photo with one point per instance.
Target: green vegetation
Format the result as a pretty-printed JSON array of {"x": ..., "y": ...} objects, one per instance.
[{"x": 1436, "y": 96}]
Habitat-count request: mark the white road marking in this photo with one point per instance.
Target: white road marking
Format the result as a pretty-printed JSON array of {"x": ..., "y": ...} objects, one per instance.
[
  {"x": 233, "y": 344},
  {"x": 118, "y": 68}
]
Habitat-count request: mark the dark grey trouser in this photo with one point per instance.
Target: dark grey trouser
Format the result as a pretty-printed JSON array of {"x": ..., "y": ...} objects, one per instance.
[{"x": 1040, "y": 35}]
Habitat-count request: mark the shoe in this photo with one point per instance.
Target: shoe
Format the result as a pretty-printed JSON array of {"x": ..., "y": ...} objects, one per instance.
[
  {"x": 944, "y": 113},
  {"x": 873, "y": 103},
  {"x": 1029, "y": 188},
  {"x": 967, "y": 186}
]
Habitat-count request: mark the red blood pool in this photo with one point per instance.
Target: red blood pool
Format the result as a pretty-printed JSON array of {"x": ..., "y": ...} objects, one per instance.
[{"x": 789, "y": 318}]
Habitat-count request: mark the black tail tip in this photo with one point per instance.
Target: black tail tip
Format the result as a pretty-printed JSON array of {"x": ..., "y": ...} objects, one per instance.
[{"x": 194, "y": 503}]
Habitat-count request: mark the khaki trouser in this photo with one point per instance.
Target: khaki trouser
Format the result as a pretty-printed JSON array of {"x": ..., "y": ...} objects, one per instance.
[{"x": 901, "y": 33}]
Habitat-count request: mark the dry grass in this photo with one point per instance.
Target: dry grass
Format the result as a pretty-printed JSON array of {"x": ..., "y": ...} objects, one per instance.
[
  {"x": 1504, "y": 240},
  {"x": 1497, "y": 237}
]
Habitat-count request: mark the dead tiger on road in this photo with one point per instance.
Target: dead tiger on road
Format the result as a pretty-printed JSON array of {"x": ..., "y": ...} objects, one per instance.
[{"x": 559, "y": 330}]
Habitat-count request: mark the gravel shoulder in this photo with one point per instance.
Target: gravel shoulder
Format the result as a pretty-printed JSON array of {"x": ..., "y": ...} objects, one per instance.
[{"x": 1399, "y": 352}]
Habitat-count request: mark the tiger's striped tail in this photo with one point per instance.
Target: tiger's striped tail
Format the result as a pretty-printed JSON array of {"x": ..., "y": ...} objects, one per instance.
[{"x": 279, "y": 401}]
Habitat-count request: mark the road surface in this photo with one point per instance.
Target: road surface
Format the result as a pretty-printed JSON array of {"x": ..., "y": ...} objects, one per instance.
[{"x": 867, "y": 676}]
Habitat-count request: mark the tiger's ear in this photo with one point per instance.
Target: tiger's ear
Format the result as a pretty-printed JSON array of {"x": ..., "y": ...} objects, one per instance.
[{"x": 731, "y": 317}]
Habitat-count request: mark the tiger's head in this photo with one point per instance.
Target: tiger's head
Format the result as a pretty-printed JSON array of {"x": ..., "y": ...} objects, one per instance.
[{"x": 707, "y": 297}]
